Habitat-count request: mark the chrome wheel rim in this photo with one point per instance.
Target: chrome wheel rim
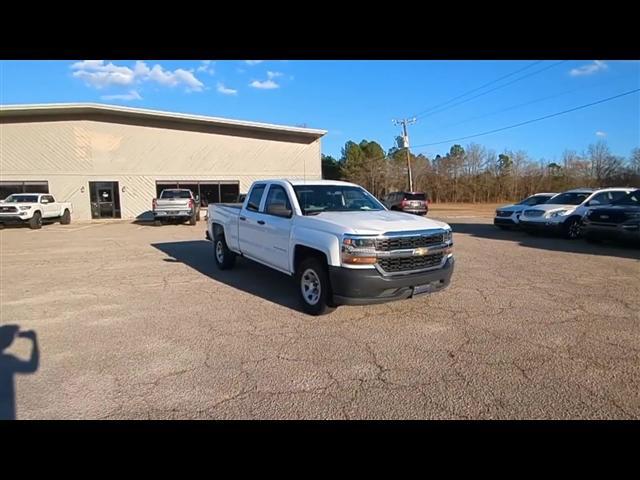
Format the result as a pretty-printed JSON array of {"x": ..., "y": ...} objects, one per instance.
[
  {"x": 310, "y": 286},
  {"x": 219, "y": 251}
]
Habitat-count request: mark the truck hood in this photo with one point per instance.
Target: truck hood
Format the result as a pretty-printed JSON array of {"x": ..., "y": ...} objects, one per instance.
[
  {"x": 512, "y": 208},
  {"x": 548, "y": 208},
  {"x": 371, "y": 223},
  {"x": 22, "y": 204}
]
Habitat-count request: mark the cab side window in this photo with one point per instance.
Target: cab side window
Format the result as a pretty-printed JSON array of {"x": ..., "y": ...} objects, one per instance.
[{"x": 255, "y": 197}]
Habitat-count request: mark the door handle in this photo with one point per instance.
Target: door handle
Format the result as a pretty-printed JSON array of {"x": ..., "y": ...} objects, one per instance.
[
  {"x": 243, "y": 218},
  {"x": 260, "y": 222}
]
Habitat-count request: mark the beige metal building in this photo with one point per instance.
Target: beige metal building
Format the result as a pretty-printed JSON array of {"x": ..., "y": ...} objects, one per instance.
[{"x": 111, "y": 161}]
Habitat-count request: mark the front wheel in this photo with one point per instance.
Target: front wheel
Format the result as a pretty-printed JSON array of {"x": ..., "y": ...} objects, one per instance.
[
  {"x": 35, "y": 222},
  {"x": 572, "y": 228},
  {"x": 225, "y": 258},
  {"x": 314, "y": 287}
]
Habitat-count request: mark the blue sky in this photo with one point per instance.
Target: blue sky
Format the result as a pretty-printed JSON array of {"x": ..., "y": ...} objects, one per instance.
[{"x": 357, "y": 100}]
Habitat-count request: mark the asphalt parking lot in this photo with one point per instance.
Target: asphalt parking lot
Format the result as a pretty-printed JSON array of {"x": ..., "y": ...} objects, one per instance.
[{"x": 134, "y": 321}]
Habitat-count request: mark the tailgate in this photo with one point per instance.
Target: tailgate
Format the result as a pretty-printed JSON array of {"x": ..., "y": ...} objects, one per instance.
[{"x": 172, "y": 204}]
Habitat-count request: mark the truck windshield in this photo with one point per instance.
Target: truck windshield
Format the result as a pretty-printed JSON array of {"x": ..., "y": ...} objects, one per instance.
[
  {"x": 569, "y": 198},
  {"x": 22, "y": 199},
  {"x": 175, "y": 194},
  {"x": 314, "y": 199}
]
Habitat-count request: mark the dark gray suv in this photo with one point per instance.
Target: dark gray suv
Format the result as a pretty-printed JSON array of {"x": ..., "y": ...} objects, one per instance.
[{"x": 409, "y": 202}]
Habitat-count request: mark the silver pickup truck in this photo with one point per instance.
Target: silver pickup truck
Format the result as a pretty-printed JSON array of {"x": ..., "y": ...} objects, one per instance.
[{"x": 176, "y": 204}]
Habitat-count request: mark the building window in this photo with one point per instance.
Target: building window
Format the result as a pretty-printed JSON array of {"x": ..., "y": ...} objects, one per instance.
[
  {"x": 208, "y": 191},
  {"x": 11, "y": 187}
]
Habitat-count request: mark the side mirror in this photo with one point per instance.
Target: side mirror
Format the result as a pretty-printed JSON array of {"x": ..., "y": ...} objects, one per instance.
[
  {"x": 592, "y": 203},
  {"x": 279, "y": 210},
  {"x": 197, "y": 198}
]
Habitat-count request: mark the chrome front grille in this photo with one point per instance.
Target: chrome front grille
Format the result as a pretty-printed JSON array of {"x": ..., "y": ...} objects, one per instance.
[
  {"x": 533, "y": 213},
  {"x": 8, "y": 209},
  {"x": 501, "y": 213},
  {"x": 407, "y": 264},
  {"x": 402, "y": 243}
]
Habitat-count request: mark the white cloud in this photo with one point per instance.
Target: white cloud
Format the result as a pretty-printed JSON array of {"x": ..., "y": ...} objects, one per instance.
[
  {"x": 132, "y": 95},
  {"x": 225, "y": 90},
  {"x": 253, "y": 62},
  {"x": 265, "y": 85},
  {"x": 589, "y": 69},
  {"x": 600, "y": 133},
  {"x": 206, "y": 66},
  {"x": 274, "y": 74},
  {"x": 98, "y": 74}
]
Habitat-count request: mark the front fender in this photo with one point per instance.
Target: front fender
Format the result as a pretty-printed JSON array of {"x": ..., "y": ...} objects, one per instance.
[{"x": 327, "y": 243}]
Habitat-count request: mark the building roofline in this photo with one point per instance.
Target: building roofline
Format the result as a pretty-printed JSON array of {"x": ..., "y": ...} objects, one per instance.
[{"x": 52, "y": 109}]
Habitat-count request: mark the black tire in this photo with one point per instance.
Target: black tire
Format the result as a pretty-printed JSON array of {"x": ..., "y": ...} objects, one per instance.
[
  {"x": 157, "y": 222},
  {"x": 65, "y": 219},
  {"x": 225, "y": 258},
  {"x": 572, "y": 228},
  {"x": 198, "y": 216},
  {"x": 312, "y": 274},
  {"x": 192, "y": 219},
  {"x": 35, "y": 222}
]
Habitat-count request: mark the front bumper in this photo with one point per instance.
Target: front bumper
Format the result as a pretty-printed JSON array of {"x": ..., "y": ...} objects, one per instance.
[
  {"x": 508, "y": 221},
  {"x": 541, "y": 226},
  {"x": 623, "y": 231},
  {"x": 13, "y": 219},
  {"x": 367, "y": 286}
]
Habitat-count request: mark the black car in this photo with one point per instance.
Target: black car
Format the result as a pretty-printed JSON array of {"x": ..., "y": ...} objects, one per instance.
[
  {"x": 409, "y": 202},
  {"x": 620, "y": 220}
]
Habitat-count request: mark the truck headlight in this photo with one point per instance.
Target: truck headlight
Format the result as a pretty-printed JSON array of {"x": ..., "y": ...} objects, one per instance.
[
  {"x": 358, "y": 250},
  {"x": 559, "y": 213},
  {"x": 24, "y": 207},
  {"x": 447, "y": 236}
]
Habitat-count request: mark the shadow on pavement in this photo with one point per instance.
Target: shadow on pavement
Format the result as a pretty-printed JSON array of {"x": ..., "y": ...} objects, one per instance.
[
  {"x": 10, "y": 365},
  {"x": 246, "y": 275},
  {"x": 546, "y": 242}
]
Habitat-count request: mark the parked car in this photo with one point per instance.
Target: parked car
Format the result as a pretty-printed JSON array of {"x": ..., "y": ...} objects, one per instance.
[
  {"x": 564, "y": 213},
  {"x": 620, "y": 220},
  {"x": 34, "y": 209},
  {"x": 340, "y": 243},
  {"x": 408, "y": 202},
  {"x": 176, "y": 204},
  {"x": 508, "y": 216}
]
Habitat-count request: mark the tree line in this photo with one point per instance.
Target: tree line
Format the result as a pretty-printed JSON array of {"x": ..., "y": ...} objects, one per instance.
[{"x": 477, "y": 174}]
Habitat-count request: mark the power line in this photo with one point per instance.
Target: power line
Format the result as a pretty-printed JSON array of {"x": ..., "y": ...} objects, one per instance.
[
  {"x": 496, "y": 88},
  {"x": 531, "y": 102},
  {"x": 478, "y": 88},
  {"x": 532, "y": 120}
]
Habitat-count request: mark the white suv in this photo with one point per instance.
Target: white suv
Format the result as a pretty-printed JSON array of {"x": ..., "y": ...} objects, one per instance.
[{"x": 564, "y": 213}]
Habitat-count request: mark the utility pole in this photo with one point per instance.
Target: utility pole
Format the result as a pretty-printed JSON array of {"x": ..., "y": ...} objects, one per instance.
[{"x": 405, "y": 140}]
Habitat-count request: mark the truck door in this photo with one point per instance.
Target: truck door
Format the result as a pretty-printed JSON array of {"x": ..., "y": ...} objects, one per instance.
[
  {"x": 277, "y": 216},
  {"x": 250, "y": 231}
]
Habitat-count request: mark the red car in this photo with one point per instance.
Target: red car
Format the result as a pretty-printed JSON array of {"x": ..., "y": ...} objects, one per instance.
[{"x": 409, "y": 202}]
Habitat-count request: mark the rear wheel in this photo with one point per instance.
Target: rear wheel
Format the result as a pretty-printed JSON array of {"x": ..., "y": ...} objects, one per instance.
[
  {"x": 192, "y": 219},
  {"x": 314, "y": 288},
  {"x": 225, "y": 258},
  {"x": 157, "y": 222},
  {"x": 66, "y": 218},
  {"x": 35, "y": 222}
]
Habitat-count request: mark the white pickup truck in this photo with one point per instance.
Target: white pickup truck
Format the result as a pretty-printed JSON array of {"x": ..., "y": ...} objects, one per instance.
[
  {"x": 341, "y": 244},
  {"x": 176, "y": 204},
  {"x": 33, "y": 209}
]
